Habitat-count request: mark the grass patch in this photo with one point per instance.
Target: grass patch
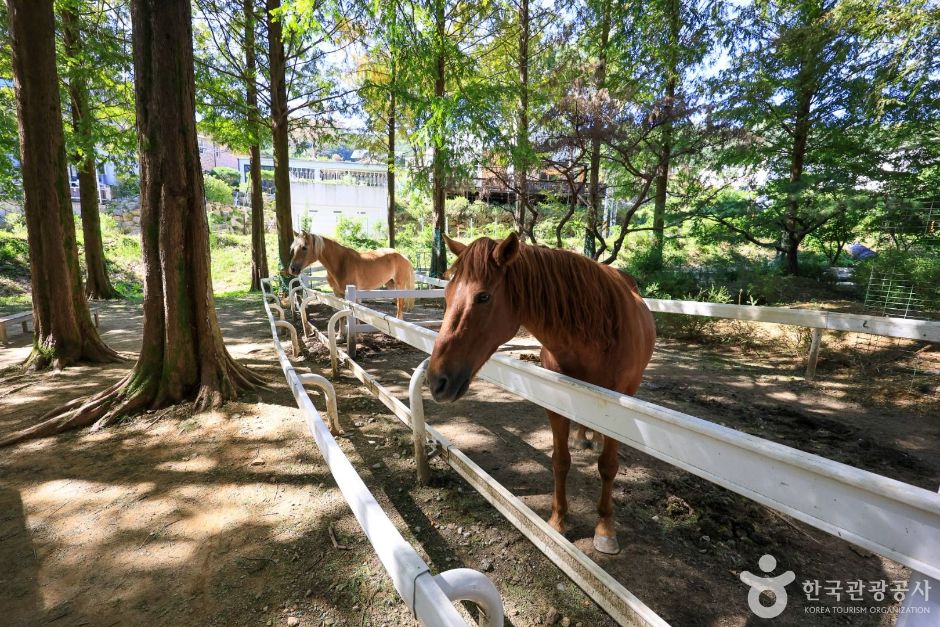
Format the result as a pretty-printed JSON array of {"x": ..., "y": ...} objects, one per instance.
[{"x": 230, "y": 255}]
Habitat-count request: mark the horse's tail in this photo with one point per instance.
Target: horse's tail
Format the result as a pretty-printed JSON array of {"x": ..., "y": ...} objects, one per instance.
[{"x": 405, "y": 280}]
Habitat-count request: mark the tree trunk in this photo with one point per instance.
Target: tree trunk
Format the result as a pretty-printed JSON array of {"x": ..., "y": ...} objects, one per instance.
[
  {"x": 438, "y": 251},
  {"x": 97, "y": 283},
  {"x": 594, "y": 189},
  {"x": 806, "y": 89},
  {"x": 280, "y": 131},
  {"x": 390, "y": 180},
  {"x": 63, "y": 330},
  {"x": 182, "y": 355},
  {"x": 259, "y": 255},
  {"x": 520, "y": 167},
  {"x": 662, "y": 174},
  {"x": 792, "y": 254},
  {"x": 797, "y": 162}
]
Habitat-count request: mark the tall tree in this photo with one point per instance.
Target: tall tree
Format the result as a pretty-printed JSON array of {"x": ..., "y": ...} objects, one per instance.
[
  {"x": 10, "y": 187},
  {"x": 280, "y": 130},
  {"x": 182, "y": 354},
  {"x": 671, "y": 80},
  {"x": 521, "y": 163},
  {"x": 600, "y": 41},
  {"x": 97, "y": 282},
  {"x": 227, "y": 80},
  {"x": 378, "y": 73},
  {"x": 439, "y": 145},
  {"x": 811, "y": 83},
  {"x": 64, "y": 333},
  {"x": 392, "y": 17},
  {"x": 440, "y": 81},
  {"x": 259, "y": 256}
]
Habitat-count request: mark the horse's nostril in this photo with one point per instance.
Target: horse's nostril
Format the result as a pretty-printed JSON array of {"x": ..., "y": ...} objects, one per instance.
[{"x": 438, "y": 384}]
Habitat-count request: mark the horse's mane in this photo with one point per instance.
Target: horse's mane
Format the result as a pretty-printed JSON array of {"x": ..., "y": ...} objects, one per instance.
[
  {"x": 559, "y": 288},
  {"x": 314, "y": 241}
]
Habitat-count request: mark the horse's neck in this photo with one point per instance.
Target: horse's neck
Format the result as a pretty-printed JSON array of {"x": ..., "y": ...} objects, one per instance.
[
  {"x": 555, "y": 338},
  {"x": 333, "y": 256}
]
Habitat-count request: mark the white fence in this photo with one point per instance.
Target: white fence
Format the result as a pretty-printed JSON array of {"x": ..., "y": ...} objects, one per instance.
[
  {"x": 894, "y": 519},
  {"x": 429, "y": 597},
  {"x": 818, "y": 320}
]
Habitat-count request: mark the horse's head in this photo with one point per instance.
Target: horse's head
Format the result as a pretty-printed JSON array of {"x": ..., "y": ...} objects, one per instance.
[
  {"x": 480, "y": 315},
  {"x": 304, "y": 250}
]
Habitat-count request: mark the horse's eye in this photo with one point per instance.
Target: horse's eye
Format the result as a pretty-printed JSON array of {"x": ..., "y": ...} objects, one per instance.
[
  {"x": 303, "y": 248},
  {"x": 482, "y": 297}
]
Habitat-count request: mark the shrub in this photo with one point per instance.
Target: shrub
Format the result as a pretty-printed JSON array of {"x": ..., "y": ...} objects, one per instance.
[
  {"x": 351, "y": 232},
  {"x": 229, "y": 175},
  {"x": 127, "y": 186},
  {"x": 217, "y": 190}
]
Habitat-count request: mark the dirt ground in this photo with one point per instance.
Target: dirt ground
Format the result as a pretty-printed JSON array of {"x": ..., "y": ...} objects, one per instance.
[{"x": 226, "y": 517}]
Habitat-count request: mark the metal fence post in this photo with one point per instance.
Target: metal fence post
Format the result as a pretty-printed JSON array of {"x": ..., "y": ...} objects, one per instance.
[
  {"x": 418, "y": 431},
  {"x": 351, "y": 323},
  {"x": 813, "y": 354}
]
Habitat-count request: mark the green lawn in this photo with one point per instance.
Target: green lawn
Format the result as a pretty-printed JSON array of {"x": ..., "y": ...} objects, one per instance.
[{"x": 231, "y": 263}]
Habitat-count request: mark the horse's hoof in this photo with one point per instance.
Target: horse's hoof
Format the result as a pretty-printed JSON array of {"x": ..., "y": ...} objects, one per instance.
[{"x": 606, "y": 544}]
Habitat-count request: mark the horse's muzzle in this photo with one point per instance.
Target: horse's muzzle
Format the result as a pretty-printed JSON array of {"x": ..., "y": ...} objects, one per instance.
[
  {"x": 449, "y": 386},
  {"x": 294, "y": 270}
]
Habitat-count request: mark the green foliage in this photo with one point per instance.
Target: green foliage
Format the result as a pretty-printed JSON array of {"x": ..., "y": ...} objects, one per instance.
[
  {"x": 128, "y": 185},
  {"x": 916, "y": 268},
  {"x": 229, "y": 175},
  {"x": 688, "y": 327},
  {"x": 14, "y": 251},
  {"x": 97, "y": 64},
  {"x": 352, "y": 233},
  {"x": 217, "y": 190}
]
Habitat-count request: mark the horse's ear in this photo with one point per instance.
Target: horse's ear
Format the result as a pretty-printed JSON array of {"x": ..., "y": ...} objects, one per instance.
[
  {"x": 507, "y": 251},
  {"x": 296, "y": 234},
  {"x": 455, "y": 246}
]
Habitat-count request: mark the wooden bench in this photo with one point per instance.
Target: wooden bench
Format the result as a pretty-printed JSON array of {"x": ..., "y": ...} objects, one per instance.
[{"x": 23, "y": 318}]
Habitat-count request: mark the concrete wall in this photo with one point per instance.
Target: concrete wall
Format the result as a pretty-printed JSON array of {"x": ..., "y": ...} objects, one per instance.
[{"x": 323, "y": 204}]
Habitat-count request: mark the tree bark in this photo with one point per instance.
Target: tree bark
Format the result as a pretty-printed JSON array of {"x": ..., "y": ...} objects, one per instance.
[
  {"x": 97, "y": 282},
  {"x": 438, "y": 251},
  {"x": 259, "y": 255},
  {"x": 594, "y": 186},
  {"x": 280, "y": 133},
  {"x": 63, "y": 330},
  {"x": 390, "y": 180},
  {"x": 182, "y": 355},
  {"x": 806, "y": 86},
  {"x": 520, "y": 167},
  {"x": 662, "y": 174}
]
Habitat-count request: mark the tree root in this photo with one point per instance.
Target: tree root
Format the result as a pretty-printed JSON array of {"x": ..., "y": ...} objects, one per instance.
[{"x": 131, "y": 395}]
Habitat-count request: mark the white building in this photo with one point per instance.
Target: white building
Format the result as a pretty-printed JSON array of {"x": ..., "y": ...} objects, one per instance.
[{"x": 322, "y": 191}]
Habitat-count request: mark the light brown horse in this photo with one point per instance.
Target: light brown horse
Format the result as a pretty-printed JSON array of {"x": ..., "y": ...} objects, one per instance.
[
  {"x": 345, "y": 266},
  {"x": 590, "y": 319}
]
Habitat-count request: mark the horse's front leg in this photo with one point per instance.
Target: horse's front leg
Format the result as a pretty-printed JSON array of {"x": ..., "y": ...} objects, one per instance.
[
  {"x": 561, "y": 463},
  {"x": 605, "y": 532}
]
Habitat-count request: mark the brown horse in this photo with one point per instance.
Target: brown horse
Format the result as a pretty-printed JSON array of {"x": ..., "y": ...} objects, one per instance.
[
  {"x": 345, "y": 266},
  {"x": 590, "y": 319}
]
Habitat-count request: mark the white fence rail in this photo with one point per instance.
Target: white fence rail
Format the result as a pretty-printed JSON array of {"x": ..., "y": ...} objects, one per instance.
[
  {"x": 894, "y": 519},
  {"x": 617, "y": 601},
  {"x": 889, "y": 517},
  {"x": 816, "y": 319},
  {"x": 429, "y": 597},
  {"x": 923, "y": 330}
]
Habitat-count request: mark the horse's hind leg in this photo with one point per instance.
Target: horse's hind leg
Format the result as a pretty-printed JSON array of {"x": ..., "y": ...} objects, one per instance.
[
  {"x": 561, "y": 462},
  {"x": 582, "y": 440},
  {"x": 605, "y": 532}
]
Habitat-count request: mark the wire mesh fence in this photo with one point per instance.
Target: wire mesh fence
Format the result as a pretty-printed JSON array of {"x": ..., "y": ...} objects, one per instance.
[{"x": 911, "y": 228}]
